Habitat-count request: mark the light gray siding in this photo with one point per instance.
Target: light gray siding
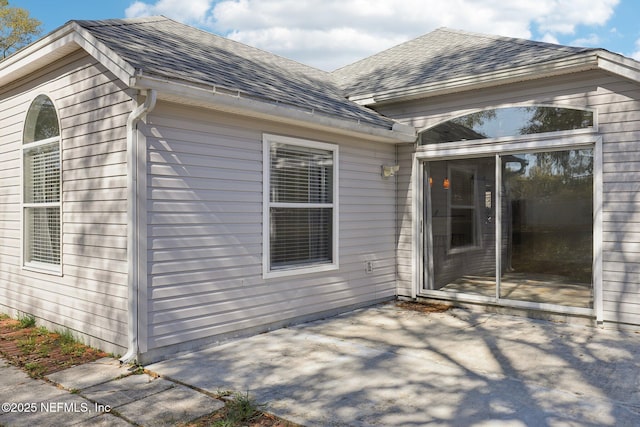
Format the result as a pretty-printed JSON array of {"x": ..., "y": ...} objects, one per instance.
[
  {"x": 204, "y": 215},
  {"x": 404, "y": 217},
  {"x": 616, "y": 102},
  {"x": 90, "y": 296}
]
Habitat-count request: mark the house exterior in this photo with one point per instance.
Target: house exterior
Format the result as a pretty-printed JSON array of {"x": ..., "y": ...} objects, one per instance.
[{"x": 164, "y": 188}]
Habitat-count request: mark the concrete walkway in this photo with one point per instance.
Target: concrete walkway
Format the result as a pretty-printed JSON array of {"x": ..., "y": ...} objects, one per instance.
[
  {"x": 388, "y": 366},
  {"x": 101, "y": 393}
]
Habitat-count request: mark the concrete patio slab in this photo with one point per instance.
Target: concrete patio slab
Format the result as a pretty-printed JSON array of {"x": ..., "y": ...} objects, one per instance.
[
  {"x": 89, "y": 374},
  {"x": 169, "y": 407},
  {"x": 53, "y": 411},
  {"x": 390, "y": 366},
  {"x": 103, "y": 420},
  {"x": 126, "y": 390},
  {"x": 108, "y": 399}
]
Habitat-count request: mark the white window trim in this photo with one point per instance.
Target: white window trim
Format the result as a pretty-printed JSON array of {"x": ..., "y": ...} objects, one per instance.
[
  {"x": 267, "y": 272},
  {"x": 487, "y": 147},
  {"x": 35, "y": 266}
]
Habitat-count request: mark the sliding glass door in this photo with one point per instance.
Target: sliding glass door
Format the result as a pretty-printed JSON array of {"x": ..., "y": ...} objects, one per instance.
[
  {"x": 511, "y": 226},
  {"x": 547, "y": 221},
  {"x": 460, "y": 212}
]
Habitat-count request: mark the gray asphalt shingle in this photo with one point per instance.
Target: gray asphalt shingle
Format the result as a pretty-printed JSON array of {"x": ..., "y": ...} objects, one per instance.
[
  {"x": 162, "y": 47},
  {"x": 445, "y": 54}
]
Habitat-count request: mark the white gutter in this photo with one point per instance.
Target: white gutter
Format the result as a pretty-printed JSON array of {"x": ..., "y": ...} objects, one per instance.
[
  {"x": 234, "y": 102},
  {"x": 132, "y": 228}
]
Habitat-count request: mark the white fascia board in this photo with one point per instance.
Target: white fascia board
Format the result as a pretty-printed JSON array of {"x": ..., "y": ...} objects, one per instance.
[
  {"x": 619, "y": 65},
  {"x": 574, "y": 64},
  {"x": 235, "y": 103},
  {"x": 56, "y": 45}
]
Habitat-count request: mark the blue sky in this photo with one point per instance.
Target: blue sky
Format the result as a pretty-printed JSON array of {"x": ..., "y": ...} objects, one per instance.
[{"x": 331, "y": 33}]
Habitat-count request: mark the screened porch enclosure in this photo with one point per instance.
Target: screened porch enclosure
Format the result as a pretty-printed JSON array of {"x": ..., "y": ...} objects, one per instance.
[{"x": 511, "y": 226}]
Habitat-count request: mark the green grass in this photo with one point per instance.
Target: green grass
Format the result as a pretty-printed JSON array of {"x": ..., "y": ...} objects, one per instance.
[
  {"x": 34, "y": 369},
  {"x": 65, "y": 336},
  {"x": 27, "y": 344},
  {"x": 26, "y": 320},
  {"x": 241, "y": 409},
  {"x": 68, "y": 343}
]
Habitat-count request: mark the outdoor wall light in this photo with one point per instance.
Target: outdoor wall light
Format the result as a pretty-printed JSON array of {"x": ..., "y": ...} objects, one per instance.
[
  {"x": 446, "y": 184},
  {"x": 388, "y": 171}
]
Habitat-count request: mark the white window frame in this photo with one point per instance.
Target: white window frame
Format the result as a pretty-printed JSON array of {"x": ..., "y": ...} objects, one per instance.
[
  {"x": 499, "y": 147},
  {"x": 25, "y": 239},
  {"x": 473, "y": 207},
  {"x": 268, "y": 272}
]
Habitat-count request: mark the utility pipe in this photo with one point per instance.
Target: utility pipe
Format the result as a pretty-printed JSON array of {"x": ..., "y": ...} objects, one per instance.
[{"x": 132, "y": 224}]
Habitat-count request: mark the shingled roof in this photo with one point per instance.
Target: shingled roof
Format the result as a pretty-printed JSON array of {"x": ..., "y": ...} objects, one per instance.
[
  {"x": 442, "y": 55},
  {"x": 164, "y": 48}
]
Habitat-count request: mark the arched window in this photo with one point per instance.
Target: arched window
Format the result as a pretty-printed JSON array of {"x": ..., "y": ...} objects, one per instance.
[
  {"x": 41, "y": 186},
  {"x": 510, "y": 121}
]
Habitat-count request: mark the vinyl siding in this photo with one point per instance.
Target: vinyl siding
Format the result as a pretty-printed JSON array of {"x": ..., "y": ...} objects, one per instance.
[
  {"x": 404, "y": 217},
  {"x": 617, "y": 105},
  {"x": 91, "y": 294},
  {"x": 204, "y": 214}
]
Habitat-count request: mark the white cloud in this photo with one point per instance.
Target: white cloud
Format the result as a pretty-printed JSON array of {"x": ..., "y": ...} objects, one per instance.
[
  {"x": 590, "y": 40},
  {"x": 550, "y": 38},
  {"x": 636, "y": 55},
  {"x": 194, "y": 11},
  {"x": 565, "y": 16},
  {"x": 331, "y": 33}
]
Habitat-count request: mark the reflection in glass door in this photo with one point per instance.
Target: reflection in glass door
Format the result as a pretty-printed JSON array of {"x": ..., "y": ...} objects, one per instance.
[
  {"x": 547, "y": 207},
  {"x": 545, "y": 223},
  {"x": 460, "y": 213}
]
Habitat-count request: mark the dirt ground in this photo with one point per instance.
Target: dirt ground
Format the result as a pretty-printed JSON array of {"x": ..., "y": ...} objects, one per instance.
[
  {"x": 40, "y": 352},
  {"x": 423, "y": 307}
]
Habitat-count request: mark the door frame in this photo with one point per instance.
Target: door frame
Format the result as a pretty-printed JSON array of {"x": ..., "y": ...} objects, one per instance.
[{"x": 555, "y": 141}]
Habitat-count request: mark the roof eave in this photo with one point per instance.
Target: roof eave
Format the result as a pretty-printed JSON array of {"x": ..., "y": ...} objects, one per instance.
[
  {"x": 619, "y": 65},
  {"x": 209, "y": 97},
  {"x": 56, "y": 45},
  {"x": 574, "y": 64}
]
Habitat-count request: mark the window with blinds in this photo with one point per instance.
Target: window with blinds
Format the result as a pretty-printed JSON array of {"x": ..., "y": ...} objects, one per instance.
[
  {"x": 41, "y": 186},
  {"x": 301, "y": 204}
]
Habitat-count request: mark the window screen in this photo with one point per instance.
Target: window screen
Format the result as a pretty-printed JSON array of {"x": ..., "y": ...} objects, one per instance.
[
  {"x": 301, "y": 206},
  {"x": 41, "y": 185}
]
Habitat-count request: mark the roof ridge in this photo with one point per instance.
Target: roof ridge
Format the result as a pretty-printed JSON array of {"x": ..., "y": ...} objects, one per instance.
[
  {"x": 120, "y": 21},
  {"x": 517, "y": 40}
]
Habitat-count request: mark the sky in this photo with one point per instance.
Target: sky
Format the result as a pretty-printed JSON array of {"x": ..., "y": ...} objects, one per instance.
[{"x": 328, "y": 34}]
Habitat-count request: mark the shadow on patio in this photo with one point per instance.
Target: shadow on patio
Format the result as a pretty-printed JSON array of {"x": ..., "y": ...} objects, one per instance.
[{"x": 391, "y": 366}]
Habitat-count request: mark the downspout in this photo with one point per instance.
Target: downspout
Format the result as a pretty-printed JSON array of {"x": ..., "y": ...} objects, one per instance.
[{"x": 132, "y": 227}]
